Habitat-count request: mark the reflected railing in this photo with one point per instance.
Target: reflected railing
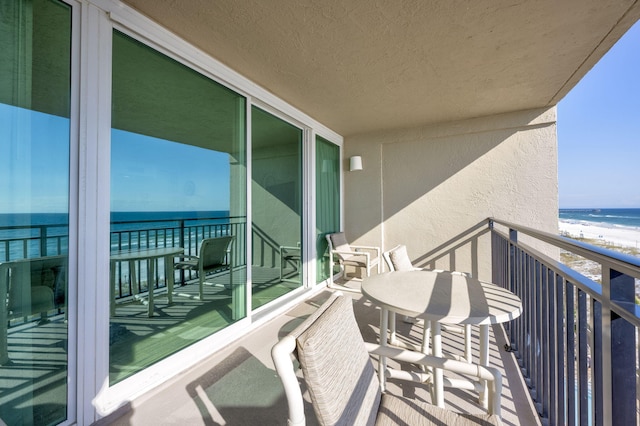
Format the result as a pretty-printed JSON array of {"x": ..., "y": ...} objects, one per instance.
[
  {"x": 38, "y": 241},
  {"x": 577, "y": 340},
  {"x": 185, "y": 233},
  {"x": 29, "y": 241}
]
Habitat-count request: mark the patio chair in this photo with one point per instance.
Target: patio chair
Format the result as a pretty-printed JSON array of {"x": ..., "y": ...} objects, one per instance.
[
  {"x": 215, "y": 255},
  {"x": 397, "y": 259},
  {"x": 343, "y": 254},
  {"x": 342, "y": 380}
]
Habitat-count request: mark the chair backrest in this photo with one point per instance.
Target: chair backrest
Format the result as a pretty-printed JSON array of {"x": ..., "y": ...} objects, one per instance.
[
  {"x": 33, "y": 286},
  {"x": 336, "y": 366},
  {"x": 213, "y": 251},
  {"x": 338, "y": 241},
  {"x": 398, "y": 259}
]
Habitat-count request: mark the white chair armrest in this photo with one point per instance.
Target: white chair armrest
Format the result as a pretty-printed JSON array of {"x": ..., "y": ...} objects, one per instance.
[
  {"x": 373, "y": 248},
  {"x": 281, "y": 354},
  {"x": 347, "y": 252},
  {"x": 186, "y": 256},
  {"x": 355, "y": 253}
]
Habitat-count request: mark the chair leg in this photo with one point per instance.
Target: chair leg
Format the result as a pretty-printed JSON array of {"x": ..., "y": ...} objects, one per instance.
[
  {"x": 201, "y": 286},
  {"x": 331, "y": 267},
  {"x": 467, "y": 343},
  {"x": 426, "y": 338}
]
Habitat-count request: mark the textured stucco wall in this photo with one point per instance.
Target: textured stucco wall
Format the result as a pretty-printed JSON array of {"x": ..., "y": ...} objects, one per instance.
[{"x": 425, "y": 187}]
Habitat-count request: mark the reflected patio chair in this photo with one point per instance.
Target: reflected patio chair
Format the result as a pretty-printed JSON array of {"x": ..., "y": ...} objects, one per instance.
[
  {"x": 343, "y": 254},
  {"x": 342, "y": 380},
  {"x": 215, "y": 255},
  {"x": 290, "y": 255},
  {"x": 397, "y": 259},
  {"x": 30, "y": 289}
]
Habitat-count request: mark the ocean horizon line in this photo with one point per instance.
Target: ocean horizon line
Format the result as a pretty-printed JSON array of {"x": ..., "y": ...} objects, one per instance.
[
  {"x": 596, "y": 208},
  {"x": 61, "y": 219}
]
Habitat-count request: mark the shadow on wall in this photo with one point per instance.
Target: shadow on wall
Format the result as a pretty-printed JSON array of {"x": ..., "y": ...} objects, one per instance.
[
  {"x": 447, "y": 250},
  {"x": 419, "y": 163}
]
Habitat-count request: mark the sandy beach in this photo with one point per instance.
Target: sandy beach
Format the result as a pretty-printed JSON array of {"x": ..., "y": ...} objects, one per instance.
[{"x": 618, "y": 236}]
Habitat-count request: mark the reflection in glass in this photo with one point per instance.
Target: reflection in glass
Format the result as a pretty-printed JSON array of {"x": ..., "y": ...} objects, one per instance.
[
  {"x": 178, "y": 179},
  {"x": 327, "y": 201},
  {"x": 276, "y": 194},
  {"x": 35, "y": 58}
]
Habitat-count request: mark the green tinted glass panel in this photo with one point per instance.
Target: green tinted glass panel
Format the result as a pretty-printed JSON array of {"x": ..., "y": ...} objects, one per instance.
[
  {"x": 35, "y": 93},
  {"x": 178, "y": 199},
  {"x": 327, "y": 201},
  {"x": 276, "y": 207}
]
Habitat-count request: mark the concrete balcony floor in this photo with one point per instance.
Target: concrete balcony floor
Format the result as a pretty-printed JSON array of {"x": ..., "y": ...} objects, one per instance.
[{"x": 239, "y": 386}]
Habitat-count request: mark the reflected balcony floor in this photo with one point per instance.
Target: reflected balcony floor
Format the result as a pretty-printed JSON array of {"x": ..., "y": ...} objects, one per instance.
[
  {"x": 134, "y": 342},
  {"x": 35, "y": 374},
  {"x": 238, "y": 385}
]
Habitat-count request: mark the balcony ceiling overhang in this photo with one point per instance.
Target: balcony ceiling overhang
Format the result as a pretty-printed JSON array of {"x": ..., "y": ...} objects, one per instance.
[{"x": 360, "y": 66}]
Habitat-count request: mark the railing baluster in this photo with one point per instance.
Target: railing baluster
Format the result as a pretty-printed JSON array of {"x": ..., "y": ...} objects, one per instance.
[
  {"x": 572, "y": 385},
  {"x": 551, "y": 330},
  {"x": 561, "y": 361},
  {"x": 623, "y": 352},
  {"x": 530, "y": 295},
  {"x": 43, "y": 240},
  {"x": 544, "y": 344},
  {"x": 583, "y": 361},
  {"x": 519, "y": 323},
  {"x": 538, "y": 338},
  {"x": 596, "y": 363}
]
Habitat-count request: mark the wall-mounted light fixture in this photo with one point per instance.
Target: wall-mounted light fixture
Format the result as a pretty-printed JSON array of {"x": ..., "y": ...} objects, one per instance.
[{"x": 355, "y": 163}]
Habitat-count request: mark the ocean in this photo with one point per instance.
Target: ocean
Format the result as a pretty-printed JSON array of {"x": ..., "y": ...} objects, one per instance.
[
  {"x": 21, "y": 234},
  {"x": 609, "y": 218}
]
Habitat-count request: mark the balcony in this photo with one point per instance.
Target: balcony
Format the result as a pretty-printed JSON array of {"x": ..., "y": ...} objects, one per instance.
[
  {"x": 571, "y": 358},
  {"x": 565, "y": 377},
  {"x": 239, "y": 386}
]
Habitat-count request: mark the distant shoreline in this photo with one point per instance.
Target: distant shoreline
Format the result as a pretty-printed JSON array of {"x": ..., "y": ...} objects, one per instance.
[{"x": 623, "y": 236}]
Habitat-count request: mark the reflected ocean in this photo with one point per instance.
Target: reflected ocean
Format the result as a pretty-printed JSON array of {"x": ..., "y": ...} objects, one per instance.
[{"x": 20, "y": 233}]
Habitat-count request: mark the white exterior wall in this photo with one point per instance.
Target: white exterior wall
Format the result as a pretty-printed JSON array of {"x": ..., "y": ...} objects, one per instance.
[{"x": 424, "y": 187}]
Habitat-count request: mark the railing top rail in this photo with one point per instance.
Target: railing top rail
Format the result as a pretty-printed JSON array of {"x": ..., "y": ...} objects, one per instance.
[
  {"x": 616, "y": 260},
  {"x": 191, "y": 219}
]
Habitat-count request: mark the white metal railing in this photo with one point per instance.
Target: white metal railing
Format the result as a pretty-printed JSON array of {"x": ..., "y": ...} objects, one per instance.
[{"x": 577, "y": 340}]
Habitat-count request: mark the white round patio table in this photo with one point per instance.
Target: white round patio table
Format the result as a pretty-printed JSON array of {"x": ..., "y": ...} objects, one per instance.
[{"x": 441, "y": 297}]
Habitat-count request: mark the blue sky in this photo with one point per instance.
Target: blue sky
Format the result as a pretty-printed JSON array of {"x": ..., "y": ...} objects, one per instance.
[
  {"x": 34, "y": 165},
  {"x": 151, "y": 174},
  {"x": 599, "y": 132},
  {"x": 147, "y": 174}
]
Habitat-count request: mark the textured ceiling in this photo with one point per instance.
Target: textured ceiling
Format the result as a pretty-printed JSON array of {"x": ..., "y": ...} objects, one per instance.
[{"x": 364, "y": 65}]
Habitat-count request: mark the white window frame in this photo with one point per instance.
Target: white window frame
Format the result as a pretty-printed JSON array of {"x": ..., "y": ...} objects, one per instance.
[{"x": 92, "y": 116}]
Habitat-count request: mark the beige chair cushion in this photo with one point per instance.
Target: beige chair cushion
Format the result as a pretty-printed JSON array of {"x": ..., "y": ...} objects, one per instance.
[
  {"x": 400, "y": 259},
  {"x": 340, "y": 376},
  {"x": 339, "y": 242},
  {"x": 396, "y": 410}
]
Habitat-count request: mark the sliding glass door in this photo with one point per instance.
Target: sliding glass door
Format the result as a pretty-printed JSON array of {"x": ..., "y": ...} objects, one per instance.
[
  {"x": 276, "y": 192},
  {"x": 327, "y": 201},
  {"x": 178, "y": 207},
  {"x": 35, "y": 134}
]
